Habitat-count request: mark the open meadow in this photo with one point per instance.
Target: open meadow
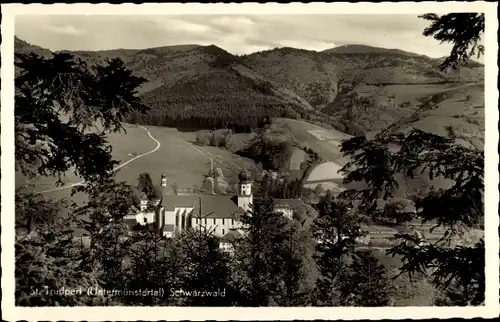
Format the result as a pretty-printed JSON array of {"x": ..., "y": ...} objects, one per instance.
[
  {"x": 323, "y": 141},
  {"x": 177, "y": 156},
  {"x": 460, "y": 106}
]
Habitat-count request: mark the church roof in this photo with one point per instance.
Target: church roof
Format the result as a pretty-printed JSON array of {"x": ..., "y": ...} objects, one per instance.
[
  {"x": 231, "y": 236},
  {"x": 185, "y": 201},
  {"x": 211, "y": 206},
  {"x": 206, "y": 206}
]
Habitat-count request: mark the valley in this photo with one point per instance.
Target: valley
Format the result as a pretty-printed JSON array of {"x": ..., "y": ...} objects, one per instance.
[
  {"x": 232, "y": 163},
  {"x": 316, "y": 99}
]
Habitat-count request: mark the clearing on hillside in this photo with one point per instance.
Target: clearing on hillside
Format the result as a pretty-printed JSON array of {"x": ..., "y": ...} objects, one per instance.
[{"x": 323, "y": 141}]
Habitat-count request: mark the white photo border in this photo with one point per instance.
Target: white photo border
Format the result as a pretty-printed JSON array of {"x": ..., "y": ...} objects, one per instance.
[{"x": 11, "y": 312}]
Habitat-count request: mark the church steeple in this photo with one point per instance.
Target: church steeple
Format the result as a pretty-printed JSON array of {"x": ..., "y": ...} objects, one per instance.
[
  {"x": 245, "y": 196},
  {"x": 163, "y": 180}
]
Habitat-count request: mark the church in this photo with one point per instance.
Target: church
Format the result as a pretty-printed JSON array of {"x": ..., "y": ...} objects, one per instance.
[{"x": 173, "y": 214}]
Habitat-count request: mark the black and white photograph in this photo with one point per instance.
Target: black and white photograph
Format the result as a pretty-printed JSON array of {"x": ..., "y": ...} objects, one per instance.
[{"x": 250, "y": 160}]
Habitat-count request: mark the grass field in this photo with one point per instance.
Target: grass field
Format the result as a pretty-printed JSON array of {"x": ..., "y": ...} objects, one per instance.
[
  {"x": 324, "y": 141},
  {"x": 183, "y": 162},
  {"x": 459, "y": 105}
]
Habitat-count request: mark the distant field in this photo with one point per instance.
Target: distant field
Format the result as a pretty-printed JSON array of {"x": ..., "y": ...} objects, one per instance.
[
  {"x": 461, "y": 106},
  {"x": 324, "y": 141},
  {"x": 404, "y": 92},
  {"x": 297, "y": 158}
]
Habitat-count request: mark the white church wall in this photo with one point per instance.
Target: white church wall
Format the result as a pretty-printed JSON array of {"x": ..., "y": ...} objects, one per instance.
[
  {"x": 169, "y": 217},
  {"x": 245, "y": 202},
  {"x": 144, "y": 218},
  {"x": 150, "y": 217},
  {"x": 219, "y": 226}
]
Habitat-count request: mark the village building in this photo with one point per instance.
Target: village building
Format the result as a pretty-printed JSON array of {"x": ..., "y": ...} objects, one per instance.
[
  {"x": 227, "y": 241},
  {"x": 218, "y": 214}
]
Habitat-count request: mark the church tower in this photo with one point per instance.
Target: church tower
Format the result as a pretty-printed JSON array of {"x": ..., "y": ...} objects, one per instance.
[
  {"x": 245, "y": 196},
  {"x": 163, "y": 180}
]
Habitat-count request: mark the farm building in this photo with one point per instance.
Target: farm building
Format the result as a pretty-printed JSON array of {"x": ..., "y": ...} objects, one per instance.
[{"x": 226, "y": 242}]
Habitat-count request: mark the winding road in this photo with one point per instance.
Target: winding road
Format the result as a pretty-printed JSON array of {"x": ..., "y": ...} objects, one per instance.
[{"x": 158, "y": 145}]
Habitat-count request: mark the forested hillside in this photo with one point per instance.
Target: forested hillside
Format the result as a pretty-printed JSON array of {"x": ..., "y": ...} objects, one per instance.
[{"x": 356, "y": 89}]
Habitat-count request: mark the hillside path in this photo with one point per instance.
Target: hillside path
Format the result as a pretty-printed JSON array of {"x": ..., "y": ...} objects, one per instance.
[
  {"x": 158, "y": 145},
  {"x": 210, "y": 156}
]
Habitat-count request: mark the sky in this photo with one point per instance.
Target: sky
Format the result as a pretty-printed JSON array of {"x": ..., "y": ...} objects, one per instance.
[{"x": 238, "y": 34}]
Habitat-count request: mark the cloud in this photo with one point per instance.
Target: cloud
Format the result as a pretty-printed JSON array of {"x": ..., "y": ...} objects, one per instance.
[
  {"x": 232, "y": 23},
  {"x": 66, "y": 29},
  {"x": 179, "y": 25}
]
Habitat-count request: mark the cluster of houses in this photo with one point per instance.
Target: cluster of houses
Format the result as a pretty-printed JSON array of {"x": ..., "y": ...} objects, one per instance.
[{"x": 172, "y": 214}]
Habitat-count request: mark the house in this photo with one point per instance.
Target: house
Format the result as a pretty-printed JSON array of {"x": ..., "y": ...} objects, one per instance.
[
  {"x": 220, "y": 215},
  {"x": 289, "y": 207},
  {"x": 227, "y": 241}
]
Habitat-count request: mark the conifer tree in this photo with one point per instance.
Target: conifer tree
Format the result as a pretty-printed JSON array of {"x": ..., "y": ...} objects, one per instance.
[
  {"x": 205, "y": 268},
  {"x": 335, "y": 231},
  {"x": 93, "y": 101},
  {"x": 457, "y": 208},
  {"x": 145, "y": 185},
  {"x": 366, "y": 282},
  {"x": 154, "y": 264},
  {"x": 258, "y": 263},
  {"x": 463, "y": 30},
  {"x": 90, "y": 97},
  {"x": 296, "y": 252}
]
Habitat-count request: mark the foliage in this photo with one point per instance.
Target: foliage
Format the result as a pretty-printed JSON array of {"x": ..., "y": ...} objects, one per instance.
[
  {"x": 218, "y": 138},
  {"x": 272, "y": 154},
  {"x": 335, "y": 231},
  {"x": 298, "y": 272},
  {"x": 396, "y": 212},
  {"x": 152, "y": 264},
  {"x": 101, "y": 218},
  {"x": 463, "y": 30},
  {"x": 259, "y": 259},
  {"x": 46, "y": 265},
  {"x": 286, "y": 188},
  {"x": 205, "y": 267},
  {"x": 34, "y": 212},
  {"x": 145, "y": 185},
  {"x": 47, "y": 88},
  {"x": 209, "y": 185},
  {"x": 220, "y": 100},
  {"x": 319, "y": 189},
  {"x": 58, "y": 102},
  {"x": 366, "y": 282},
  {"x": 455, "y": 208}
]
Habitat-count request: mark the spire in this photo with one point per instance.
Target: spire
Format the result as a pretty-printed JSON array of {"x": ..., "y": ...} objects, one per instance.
[{"x": 245, "y": 176}]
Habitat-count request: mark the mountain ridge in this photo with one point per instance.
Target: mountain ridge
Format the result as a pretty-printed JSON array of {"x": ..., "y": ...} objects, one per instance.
[{"x": 208, "y": 83}]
